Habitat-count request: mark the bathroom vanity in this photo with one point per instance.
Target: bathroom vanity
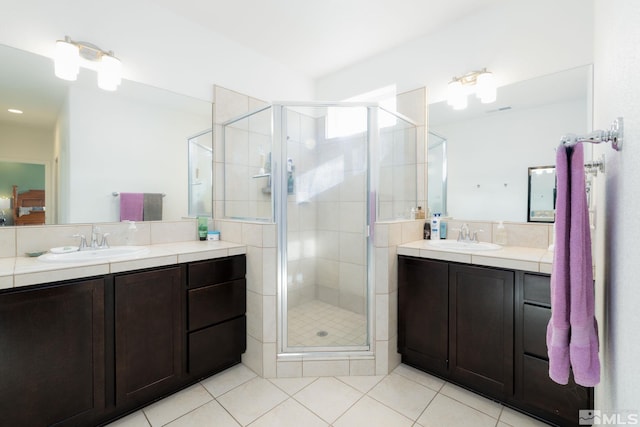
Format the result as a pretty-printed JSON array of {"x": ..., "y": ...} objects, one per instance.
[
  {"x": 87, "y": 350},
  {"x": 484, "y": 327}
]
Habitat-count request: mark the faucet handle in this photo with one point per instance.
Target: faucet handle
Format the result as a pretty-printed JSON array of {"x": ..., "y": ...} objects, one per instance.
[
  {"x": 83, "y": 241},
  {"x": 103, "y": 242},
  {"x": 475, "y": 235}
]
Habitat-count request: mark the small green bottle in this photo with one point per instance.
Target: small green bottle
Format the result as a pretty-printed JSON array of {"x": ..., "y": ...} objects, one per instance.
[{"x": 203, "y": 227}]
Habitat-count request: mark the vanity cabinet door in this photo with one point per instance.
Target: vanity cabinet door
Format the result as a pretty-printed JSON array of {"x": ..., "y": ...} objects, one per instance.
[
  {"x": 52, "y": 355},
  {"x": 149, "y": 328},
  {"x": 481, "y": 302},
  {"x": 423, "y": 313}
]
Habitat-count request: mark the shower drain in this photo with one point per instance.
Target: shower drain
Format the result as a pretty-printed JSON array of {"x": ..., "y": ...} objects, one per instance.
[{"x": 322, "y": 333}]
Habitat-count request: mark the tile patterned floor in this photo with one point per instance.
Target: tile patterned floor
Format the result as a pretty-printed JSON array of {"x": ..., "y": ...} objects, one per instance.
[
  {"x": 343, "y": 327},
  {"x": 406, "y": 397}
]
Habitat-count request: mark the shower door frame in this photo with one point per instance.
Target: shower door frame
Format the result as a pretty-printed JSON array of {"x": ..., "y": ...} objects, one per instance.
[{"x": 279, "y": 183}]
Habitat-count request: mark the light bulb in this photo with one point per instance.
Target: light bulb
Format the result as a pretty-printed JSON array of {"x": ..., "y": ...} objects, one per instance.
[
  {"x": 486, "y": 87},
  {"x": 67, "y": 60},
  {"x": 456, "y": 96},
  {"x": 109, "y": 72}
]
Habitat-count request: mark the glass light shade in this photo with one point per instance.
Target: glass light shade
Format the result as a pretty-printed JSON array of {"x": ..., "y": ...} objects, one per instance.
[
  {"x": 109, "y": 73},
  {"x": 456, "y": 95},
  {"x": 486, "y": 87},
  {"x": 67, "y": 60}
]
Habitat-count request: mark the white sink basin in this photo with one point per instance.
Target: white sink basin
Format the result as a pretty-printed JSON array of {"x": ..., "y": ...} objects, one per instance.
[
  {"x": 454, "y": 245},
  {"x": 114, "y": 252}
]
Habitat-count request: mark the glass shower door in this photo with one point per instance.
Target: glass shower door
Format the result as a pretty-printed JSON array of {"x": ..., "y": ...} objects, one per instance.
[{"x": 324, "y": 175}]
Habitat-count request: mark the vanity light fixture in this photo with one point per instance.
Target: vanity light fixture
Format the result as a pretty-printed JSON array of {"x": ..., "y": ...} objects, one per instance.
[
  {"x": 482, "y": 82},
  {"x": 15, "y": 111},
  {"x": 69, "y": 55}
]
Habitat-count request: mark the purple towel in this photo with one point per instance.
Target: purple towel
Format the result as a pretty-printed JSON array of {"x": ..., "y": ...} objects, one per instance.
[
  {"x": 572, "y": 333},
  {"x": 131, "y": 206}
]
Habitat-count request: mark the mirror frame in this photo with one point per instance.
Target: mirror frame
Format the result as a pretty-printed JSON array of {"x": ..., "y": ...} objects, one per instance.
[{"x": 532, "y": 173}]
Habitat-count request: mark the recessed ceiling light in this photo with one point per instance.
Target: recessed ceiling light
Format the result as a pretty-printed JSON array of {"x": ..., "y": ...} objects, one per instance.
[{"x": 14, "y": 111}]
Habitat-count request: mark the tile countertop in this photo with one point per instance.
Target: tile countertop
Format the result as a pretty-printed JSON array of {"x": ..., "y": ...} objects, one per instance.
[
  {"x": 511, "y": 257},
  {"x": 24, "y": 271}
]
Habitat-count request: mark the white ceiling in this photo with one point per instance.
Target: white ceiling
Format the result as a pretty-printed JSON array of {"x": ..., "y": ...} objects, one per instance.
[{"x": 322, "y": 36}]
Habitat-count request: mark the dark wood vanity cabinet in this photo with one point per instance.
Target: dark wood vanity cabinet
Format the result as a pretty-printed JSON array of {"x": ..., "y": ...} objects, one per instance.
[
  {"x": 148, "y": 334},
  {"x": 84, "y": 352},
  {"x": 481, "y": 328},
  {"x": 536, "y": 392},
  {"x": 217, "y": 305},
  {"x": 457, "y": 321},
  {"x": 423, "y": 297},
  {"x": 485, "y": 329},
  {"x": 52, "y": 354}
]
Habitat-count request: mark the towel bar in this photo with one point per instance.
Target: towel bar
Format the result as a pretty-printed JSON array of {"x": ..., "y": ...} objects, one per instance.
[
  {"x": 613, "y": 135},
  {"x": 116, "y": 194}
]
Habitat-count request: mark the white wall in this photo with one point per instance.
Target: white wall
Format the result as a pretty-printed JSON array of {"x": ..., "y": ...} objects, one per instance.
[
  {"x": 156, "y": 46},
  {"x": 617, "y": 93},
  {"x": 521, "y": 40}
]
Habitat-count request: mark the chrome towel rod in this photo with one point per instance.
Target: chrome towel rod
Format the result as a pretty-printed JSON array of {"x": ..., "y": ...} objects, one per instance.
[
  {"x": 613, "y": 135},
  {"x": 116, "y": 194}
]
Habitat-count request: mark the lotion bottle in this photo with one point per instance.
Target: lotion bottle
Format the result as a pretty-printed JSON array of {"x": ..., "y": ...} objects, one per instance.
[{"x": 435, "y": 227}]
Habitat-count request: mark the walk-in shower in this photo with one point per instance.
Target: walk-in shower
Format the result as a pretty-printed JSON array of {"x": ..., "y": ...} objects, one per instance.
[{"x": 324, "y": 173}]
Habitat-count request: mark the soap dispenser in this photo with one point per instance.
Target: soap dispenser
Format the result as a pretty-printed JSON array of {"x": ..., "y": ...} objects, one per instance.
[{"x": 501, "y": 234}]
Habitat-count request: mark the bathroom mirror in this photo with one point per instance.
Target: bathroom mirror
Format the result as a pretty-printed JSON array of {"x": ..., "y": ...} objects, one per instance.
[
  {"x": 491, "y": 146},
  {"x": 95, "y": 143},
  {"x": 541, "y": 202}
]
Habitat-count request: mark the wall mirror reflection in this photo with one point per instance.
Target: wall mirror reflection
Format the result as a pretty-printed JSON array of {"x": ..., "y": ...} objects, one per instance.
[
  {"x": 489, "y": 146},
  {"x": 541, "y": 203},
  {"x": 94, "y": 143}
]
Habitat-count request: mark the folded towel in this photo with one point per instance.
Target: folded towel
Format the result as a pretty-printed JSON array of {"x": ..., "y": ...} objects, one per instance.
[
  {"x": 572, "y": 336},
  {"x": 131, "y": 206},
  {"x": 152, "y": 207}
]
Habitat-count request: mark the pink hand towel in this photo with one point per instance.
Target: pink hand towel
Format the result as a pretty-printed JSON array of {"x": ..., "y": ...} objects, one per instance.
[
  {"x": 572, "y": 337},
  {"x": 583, "y": 348},
  {"x": 558, "y": 328},
  {"x": 131, "y": 206}
]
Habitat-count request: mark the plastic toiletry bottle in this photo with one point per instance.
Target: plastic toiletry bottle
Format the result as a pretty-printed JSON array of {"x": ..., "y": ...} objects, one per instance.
[
  {"x": 435, "y": 226},
  {"x": 427, "y": 230},
  {"x": 501, "y": 234},
  {"x": 443, "y": 229}
]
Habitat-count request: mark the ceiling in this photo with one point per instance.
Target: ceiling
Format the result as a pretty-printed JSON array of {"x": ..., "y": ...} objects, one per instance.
[{"x": 320, "y": 37}]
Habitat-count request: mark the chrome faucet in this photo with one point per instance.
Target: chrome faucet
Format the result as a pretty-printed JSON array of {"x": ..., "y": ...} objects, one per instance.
[
  {"x": 98, "y": 239},
  {"x": 465, "y": 235}
]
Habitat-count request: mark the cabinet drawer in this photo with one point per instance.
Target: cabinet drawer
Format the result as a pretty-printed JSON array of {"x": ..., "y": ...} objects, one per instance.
[
  {"x": 216, "y": 303},
  {"x": 537, "y": 288},
  {"x": 217, "y": 347},
  {"x": 563, "y": 401},
  {"x": 536, "y": 320},
  {"x": 214, "y": 271}
]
